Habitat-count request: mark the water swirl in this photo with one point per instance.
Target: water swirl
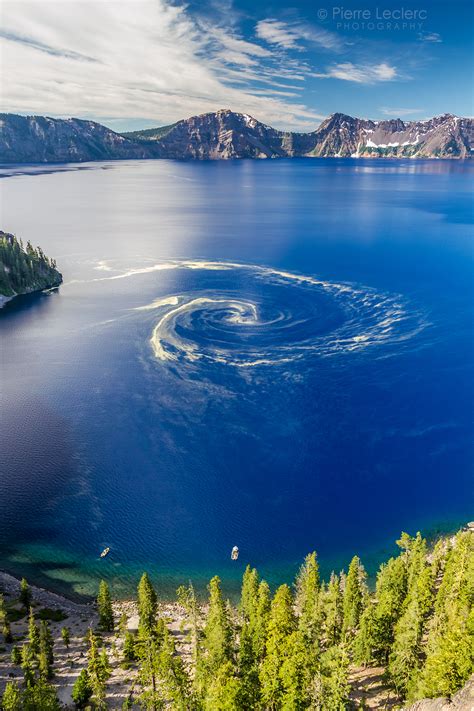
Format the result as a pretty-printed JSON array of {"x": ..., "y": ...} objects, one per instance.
[{"x": 271, "y": 317}]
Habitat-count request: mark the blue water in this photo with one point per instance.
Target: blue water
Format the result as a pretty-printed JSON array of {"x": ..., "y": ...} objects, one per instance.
[{"x": 273, "y": 354}]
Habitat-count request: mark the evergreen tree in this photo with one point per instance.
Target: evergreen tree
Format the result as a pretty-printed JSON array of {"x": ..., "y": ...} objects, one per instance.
[
  {"x": 12, "y": 699},
  {"x": 82, "y": 690},
  {"x": 331, "y": 603},
  {"x": 16, "y": 656},
  {"x": 45, "y": 652},
  {"x": 41, "y": 696},
  {"x": 307, "y": 598},
  {"x": 217, "y": 630},
  {"x": 129, "y": 653},
  {"x": 104, "y": 606},
  {"x": 98, "y": 669},
  {"x": 223, "y": 690},
  {"x": 66, "y": 635},
  {"x": 294, "y": 672},
  {"x": 353, "y": 598},
  {"x": 249, "y": 594},
  {"x": 405, "y": 656},
  {"x": 25, "y": 593},
  {"x": 187, "y": 598},
  {"x": 27, "y": 665},
  {"x": 33, "y": 633},
  {"x": 390, "y": 593},
  {"x": 449, "y": 648},
  {"x": 147, "y": 605},
  {"x": 7, "y": 632},
  {"x": 366, "y": 638},
  {"x": 281, "y": 624}
]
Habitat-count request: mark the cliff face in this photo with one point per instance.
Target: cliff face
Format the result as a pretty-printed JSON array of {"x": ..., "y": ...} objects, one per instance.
[
  {"x": 221, "y": 135},
  {"x": 39, "y": 139},
  {"x": 463, "y": 700},
  {"x": 226, "y": 134},
  {"x": 444, "y": 136}
]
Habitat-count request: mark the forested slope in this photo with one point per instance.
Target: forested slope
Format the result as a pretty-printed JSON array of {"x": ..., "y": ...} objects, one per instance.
[
  {"x": 291, "y": 650},
  {"x": 24, "y": 269}
]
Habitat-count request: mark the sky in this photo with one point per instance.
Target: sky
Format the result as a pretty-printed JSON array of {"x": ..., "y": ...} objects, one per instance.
[{"x": 133, "y": 64}]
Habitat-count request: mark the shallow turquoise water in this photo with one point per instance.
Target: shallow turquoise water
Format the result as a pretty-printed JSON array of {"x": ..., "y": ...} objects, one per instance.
[{"x": 273, "y": 354}]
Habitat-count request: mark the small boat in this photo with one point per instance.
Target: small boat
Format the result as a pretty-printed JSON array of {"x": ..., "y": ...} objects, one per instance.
[
  {"x": 105, "y": 552},
  {"x": 235, "y": 553}
]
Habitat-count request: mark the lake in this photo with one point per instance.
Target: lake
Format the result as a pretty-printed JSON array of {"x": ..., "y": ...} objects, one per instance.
[{"x": 271, "y": 354}]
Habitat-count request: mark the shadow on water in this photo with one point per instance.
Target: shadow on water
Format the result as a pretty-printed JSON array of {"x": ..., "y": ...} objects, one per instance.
[{"x": 28, "y": 305}]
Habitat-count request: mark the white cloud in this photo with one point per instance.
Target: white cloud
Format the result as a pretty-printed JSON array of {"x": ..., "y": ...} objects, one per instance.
[
  {"x": 399, "y": 113},
  {"x": 359, "y": 73},
  {"x": 289, "y": 36},
  {"x": 137, "y": 59},
  {"x": 429, "y": 37}
]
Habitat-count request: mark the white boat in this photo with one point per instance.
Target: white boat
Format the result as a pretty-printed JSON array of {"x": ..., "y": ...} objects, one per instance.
[
  {"x": 235, "y": 553},
  {"x": 105, "y": 552}
]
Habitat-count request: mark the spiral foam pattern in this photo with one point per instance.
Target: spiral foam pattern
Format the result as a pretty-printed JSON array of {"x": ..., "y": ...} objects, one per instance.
[{"x": 277, "y": 318}]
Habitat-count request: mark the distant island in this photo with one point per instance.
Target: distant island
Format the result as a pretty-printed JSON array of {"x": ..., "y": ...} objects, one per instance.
[
  {"x": 330, "y": 645},
  {"x": 24, "y": 269},
  {"x": 226, "y": 134}
]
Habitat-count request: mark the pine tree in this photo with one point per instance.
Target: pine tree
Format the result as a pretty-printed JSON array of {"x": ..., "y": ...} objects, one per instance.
[
  {"x": 307, "y": 599},
  {"x": 405, "y": 656},
  {"x": 98, "y": 669},
  {"x": 104, "y": 606},
  {"x": 217, "y": 630},
  {"x": 147, "y": 605},
  {"x": 223, "y": 690},
  {"x": 366, "y": 638},
  {"x": 449, "y": 655},
  {"x": 25, "y": 593},
  {"x": 16, "y": 656},
  {"x": 187, "y": 598},
  {"x": 66, "y": 636},
  {"x": 335, "y": 686},
  {"x": 41, "y": 695},
  {"x": 390, "y": 593},
  {"x": 7, "y": 632},
  {"x": 353, "y": 598},
  {"x": 33, "y": 633},
  {"x": 295, "y": 669},
  {"x": 281, "y": 624},
  {"x": 27, "y": 665},
  {"x": 82, "y": 690},
  {"x": 249, "y": 594},
  {"x": 46, "y": 651},
  {"x": 331, "y": 604},
  {"x": 173, "y": 675},
  {"x": 12, "y": 699},
  {"x": 129, "y": 654}
]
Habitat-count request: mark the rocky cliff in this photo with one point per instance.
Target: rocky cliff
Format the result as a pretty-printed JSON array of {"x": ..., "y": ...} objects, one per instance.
[
  {"x": 463, "y": 700},
  {"x": 225, "y": 134},
  {"x": 39, "y": 139}
]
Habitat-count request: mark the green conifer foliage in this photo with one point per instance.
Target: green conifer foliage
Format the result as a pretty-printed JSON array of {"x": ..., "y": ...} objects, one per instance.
[
  {"x": 33, "y": 633},
  {"x": 307, "y": 598},
  {"x": 147, "y": 605},
  {"x": 25, "y": 593},
  {"x": 12, "y": 699},
  {"x": 353, "y": 598},
  {"x": 331, "y": 602},
  {"x": 217, "y": 630},
  {"x": 281, "y": 624},
  {"x": 82, "y": 690},
  {"x": 104, "y": 606}
]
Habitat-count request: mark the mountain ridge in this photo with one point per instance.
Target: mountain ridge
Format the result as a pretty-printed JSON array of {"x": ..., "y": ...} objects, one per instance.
[{"x": 226, "y": 134}]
